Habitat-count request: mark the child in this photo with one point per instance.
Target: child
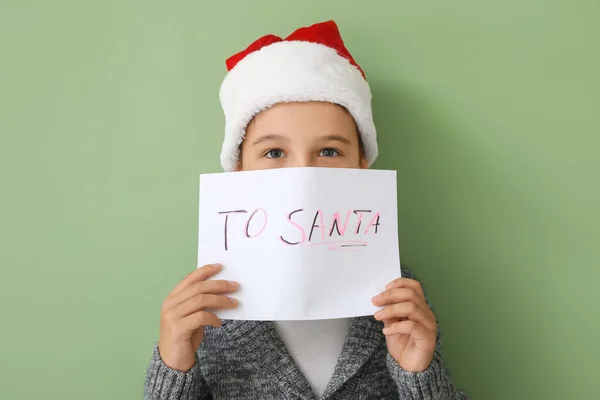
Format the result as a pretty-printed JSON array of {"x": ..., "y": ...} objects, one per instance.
[{"x": 298, "y": 102}]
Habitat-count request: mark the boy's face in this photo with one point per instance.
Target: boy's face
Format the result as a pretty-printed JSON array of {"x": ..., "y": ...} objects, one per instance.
[{"x": 302, "y": 134}]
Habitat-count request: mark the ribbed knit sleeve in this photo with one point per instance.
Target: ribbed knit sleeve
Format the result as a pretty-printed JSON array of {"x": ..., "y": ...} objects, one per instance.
[
  {"x": 164, "y": 383},
  {"x": 431, "y": 384}
]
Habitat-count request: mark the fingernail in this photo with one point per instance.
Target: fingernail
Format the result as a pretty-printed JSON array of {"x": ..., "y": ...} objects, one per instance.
[
  {"x": 389, "y": 285},
  {"x": 386, "y": 331},
  {"x": 216, "y": 266},
  {"x": 377, "y": 314},
  {"x": 234, "y": 284},
  {"x": 234, "y": 301}
]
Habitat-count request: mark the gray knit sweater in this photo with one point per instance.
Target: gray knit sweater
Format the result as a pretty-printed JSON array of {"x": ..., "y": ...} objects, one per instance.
[{"x": 247, "y": 360}]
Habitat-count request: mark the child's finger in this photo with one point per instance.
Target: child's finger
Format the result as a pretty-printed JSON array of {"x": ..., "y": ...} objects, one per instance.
[
  {"x": 398, "y": 295},
  {"x": 199, "y": 319},
  {"x": 408, "y": 310},
  {"x": 200, "y": 274},
  {"x": 196, "y": 288},
  {"x": 406, "y": 283},
  {"x": 413, "y": 328},
  {"x": 202, "y": 302}
]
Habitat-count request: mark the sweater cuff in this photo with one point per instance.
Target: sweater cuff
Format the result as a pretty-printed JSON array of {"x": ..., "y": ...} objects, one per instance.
[
  {"x": 165, "y": 383},
  {"x": 428, "y": 384}
]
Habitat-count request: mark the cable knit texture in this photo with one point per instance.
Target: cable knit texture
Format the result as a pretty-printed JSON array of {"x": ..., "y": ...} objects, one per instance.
[{"x": 247, "y": 360}]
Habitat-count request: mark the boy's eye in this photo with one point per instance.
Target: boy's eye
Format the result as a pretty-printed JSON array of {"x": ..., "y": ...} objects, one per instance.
[
  {"x": 274, "y": 153},
  {"x": 329, "y": 152}
]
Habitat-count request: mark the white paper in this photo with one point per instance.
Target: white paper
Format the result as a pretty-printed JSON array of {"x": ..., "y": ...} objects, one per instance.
[{"x": 332, "y": 273}]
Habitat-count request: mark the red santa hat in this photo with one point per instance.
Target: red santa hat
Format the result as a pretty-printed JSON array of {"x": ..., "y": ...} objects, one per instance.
[{"x": 312, "y": 64}]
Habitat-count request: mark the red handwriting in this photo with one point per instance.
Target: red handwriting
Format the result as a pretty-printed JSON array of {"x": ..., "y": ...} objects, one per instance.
[{"x": 326, "y": 234}]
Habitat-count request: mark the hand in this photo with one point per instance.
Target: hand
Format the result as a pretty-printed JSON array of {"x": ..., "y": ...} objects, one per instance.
[
  {"x": 410, "y": 326},
  {"x": 183, "y": 315}
]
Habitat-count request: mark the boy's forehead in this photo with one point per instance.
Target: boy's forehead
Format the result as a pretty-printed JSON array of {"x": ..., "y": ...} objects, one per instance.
[{"x": 310, "y": 123}]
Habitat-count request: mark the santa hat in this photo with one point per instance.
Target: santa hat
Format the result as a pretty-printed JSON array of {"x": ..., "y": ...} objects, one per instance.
[{"x": 312, "y": 64}]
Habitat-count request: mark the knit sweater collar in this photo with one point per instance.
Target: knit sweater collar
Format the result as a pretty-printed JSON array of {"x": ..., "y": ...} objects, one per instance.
[{"x": 265, "y": 348}]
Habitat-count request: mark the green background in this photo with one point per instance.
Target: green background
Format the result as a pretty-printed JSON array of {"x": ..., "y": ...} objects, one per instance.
[{"x": 487, "y": 109}]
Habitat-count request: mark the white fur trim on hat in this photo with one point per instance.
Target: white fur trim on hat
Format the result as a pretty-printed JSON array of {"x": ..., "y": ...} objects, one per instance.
[{"x": 291, "y": 71}]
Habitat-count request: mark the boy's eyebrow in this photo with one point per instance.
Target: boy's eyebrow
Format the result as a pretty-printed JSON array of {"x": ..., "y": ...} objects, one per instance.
[
  {"x": 327, "y": 138},
  {"x": 336, "y": 138},
  {"x": 271, "y": 136}
]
